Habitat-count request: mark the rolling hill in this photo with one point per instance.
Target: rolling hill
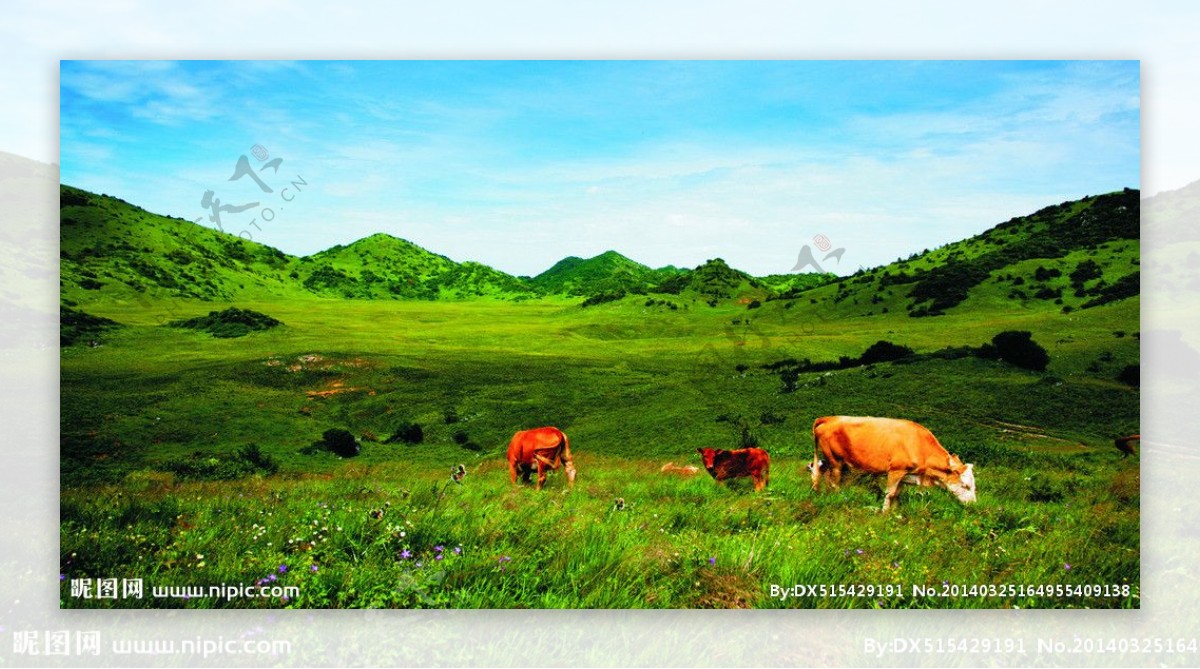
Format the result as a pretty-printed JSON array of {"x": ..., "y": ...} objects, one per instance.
[
  {"x": 606, "y": 273},
  {"x": 1074, "y": 255}
]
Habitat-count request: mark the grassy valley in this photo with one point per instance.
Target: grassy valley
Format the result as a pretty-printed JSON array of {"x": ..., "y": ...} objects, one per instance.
[{"x": 196, "y": 455}]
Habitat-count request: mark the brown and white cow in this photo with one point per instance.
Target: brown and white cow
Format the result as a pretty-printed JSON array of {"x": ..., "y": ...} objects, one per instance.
[
  {"x": 542, "y": 448},
  {"x": 906, "y": 451},
  {"x": 723, "y": 464}
]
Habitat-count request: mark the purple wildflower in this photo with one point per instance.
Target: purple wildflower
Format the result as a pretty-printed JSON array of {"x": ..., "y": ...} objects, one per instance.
[
  {"x": 439, "y": 548},
  {"x": 712, "y": 561},
  {"x": 418, "y": 564},
  {"x": 313, "y": 568},
  {"x": 62, "y": 577},
  {"x": 458, "y": 550},
  {"x": 283, "y": 569},
  {"x": 405, "y": 554},
  {"x": 1067, "y": 566},
  {"x": 858, "y": 550},
  {"x": 438, "y": 556},
  {"x": 272, "y": 578}
]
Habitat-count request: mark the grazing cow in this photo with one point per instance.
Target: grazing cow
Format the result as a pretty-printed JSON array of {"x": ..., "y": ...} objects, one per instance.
[
  {"x": 684, "y": 471},
  {"x": 723, "y": 464},
  {"x": 902, "y": 449},
  {"x": 1125, "y": 444},
  {"x": 542, "y": 448}
]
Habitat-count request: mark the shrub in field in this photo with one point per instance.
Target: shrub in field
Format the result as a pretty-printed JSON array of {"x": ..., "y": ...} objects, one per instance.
[
  {"x": 248, "y": 460},
  {"x": 1131, "y": 375},
  {"x": 75, "y": 325},
  {"x": 1017, "y": 347},
  {"x": 883, "y": 351},
  {"x": 232, "y": 322},
  {"x": 341, "y": 442},
  {"x": 409, "y": 433},
  {"x": 253, "y": 455}
]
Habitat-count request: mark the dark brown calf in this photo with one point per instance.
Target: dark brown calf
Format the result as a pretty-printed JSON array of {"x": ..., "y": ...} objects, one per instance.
[
  {"x": 1125, "y": 444},
  {"x": 723, "y": 464}
]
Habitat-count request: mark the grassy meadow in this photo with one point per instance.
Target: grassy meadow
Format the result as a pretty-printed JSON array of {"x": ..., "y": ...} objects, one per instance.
[{"x": 158, "y": 482}]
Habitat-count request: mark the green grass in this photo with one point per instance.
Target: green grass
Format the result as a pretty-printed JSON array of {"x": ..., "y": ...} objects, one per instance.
[
  {"x": 633, "y": 388},
  {"x": 191, "y": 459}
]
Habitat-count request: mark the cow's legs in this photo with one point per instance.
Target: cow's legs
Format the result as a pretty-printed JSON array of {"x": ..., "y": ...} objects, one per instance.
[
  {"x": 541, "y": 471},
  {"x": 835, "y": 474},
  {"x": 895, "y": 478},
  {"x": 512, "y": 471}
]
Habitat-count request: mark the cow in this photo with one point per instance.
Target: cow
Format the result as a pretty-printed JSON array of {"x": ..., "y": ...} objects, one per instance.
[
  {"x": 1125, "y": 445},
  {"x": 906, "y": 451},
  {"x": 542, "y": 449},
  {"x": 723, "y": 464},
  {"x": 685, "y": 471}
]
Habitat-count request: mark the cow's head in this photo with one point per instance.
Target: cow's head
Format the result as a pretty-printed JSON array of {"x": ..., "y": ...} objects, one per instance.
[
  {"x": 961, "y": 481},
  {"x": 709, "y": 457}
]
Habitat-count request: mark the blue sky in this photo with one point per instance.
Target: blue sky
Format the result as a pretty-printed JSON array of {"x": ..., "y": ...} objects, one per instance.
[{"x": 520, "y": 163}]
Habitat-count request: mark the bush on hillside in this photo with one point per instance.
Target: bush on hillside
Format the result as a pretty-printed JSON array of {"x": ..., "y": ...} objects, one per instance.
[
  {"x": 340, "y": 442},
  {"x": 1017, "y": 347},
  {"x": 232, "y": 322}
]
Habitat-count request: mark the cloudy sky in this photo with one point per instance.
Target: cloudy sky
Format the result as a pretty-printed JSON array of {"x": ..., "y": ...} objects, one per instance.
[{"x": 518, "y": 164}]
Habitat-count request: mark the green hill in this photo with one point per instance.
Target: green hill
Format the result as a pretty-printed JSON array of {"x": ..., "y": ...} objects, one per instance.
[
  {"x": 715, "y": 281},
  {"x": 111, "y": 250},
  {"x": 114, "y": 251},
  {"x": 386, "y": 267},
  {"x": 608, "y": 272},
  {"x": 1074, "y": 255}
]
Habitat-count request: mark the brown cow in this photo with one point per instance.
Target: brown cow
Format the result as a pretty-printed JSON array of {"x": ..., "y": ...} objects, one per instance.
[
  {"x": 902, "y": 449},
  {"x": 542, "y": 448},
  {"x": 1125, "y": 445},
  {"x": 723, "y": 464}
]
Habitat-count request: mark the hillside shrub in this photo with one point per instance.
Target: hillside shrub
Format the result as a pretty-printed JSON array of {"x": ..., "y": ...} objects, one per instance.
[
  {"x": 340, "y": 442},
  {"x": 232, "y": 322},
  {"x": 409, "y": 433},
  {"x": 1016, "y": 347},
  {"x": 1131, "y": 375}
]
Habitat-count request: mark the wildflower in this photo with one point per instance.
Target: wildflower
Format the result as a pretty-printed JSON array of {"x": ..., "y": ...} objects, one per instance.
[
  {"x": 439, "y": 556},
  {"x": 62, "y": 577},
  {"x": 272, "y": 578},
  {"x": 313, "y": 568},
  {"x": 458, "y": 473},
  {"x": 458, "y": 550},
  {"x": 283, "y": 569},
  {"x": 1067, "y": 566},
  {"x": 619, "y": 504},
  {"x": 405, "y": 554},
  {"x": 858, "y": 551},
  {"x": 418, "y": 564},
  {"x": 712, "y": 561}
]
